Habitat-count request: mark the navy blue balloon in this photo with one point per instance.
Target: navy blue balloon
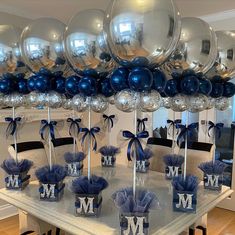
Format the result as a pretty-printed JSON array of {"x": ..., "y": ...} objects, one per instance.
[
  {"x": 5, "y": 86},
  {"x": 59, "y": 85},
  {"x": 22, "y": 86},
  {"x": 9, "y": 76},
  {"x": 20, "y": 76},
  {"x": 105, "y": 88},
  {"x": 90, "y": 73},
  {"x": 188, "y": 72},
  {"x": 71, "y": 85},
  {"x": 159, "y": 81},
  {"x": 171, "y": 88},
  {"x": 217, "y": 89},
  {"x": 229, "y": 89},
  {"x": 42, "y": 83},
  {"x": 87, "y": 86},
  {"x": 176, "y": 75},
  {"x": 140, "y": 61},
  {"x": 216, "y": 78},
  {"x": 44, "y": 71},
  {"x": 205, "y": 86},
  {"x": 119, "y": 79},
  {"x": 31, "y": 83},
  {"x": 189, "y": 85},
  {"x": 140, "y": 79}
]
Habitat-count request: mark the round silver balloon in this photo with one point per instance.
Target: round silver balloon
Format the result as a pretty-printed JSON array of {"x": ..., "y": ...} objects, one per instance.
[
  {"x": 137, "y": 28},
  {"x": 67, "y": 104},
  {"x": 10, "y": 56},
  {"x": 222, "y": 103},
  {"x": 99, "y": 103},
  {"x": 197, "y": 47},
  {"x": 41, "y": 44},
  {"x": 13, "y": 100},
  {"x": 127, "y": 100},
  {"x": 179, "y": 103},
  {"x": 150, "y": 101},
  {"x": 225, "y": 63},
  {"x": 211, "y": 103},
  {"x": 35, "y": 99},
  {"x": 84, "y": 41},
  {"x": 166, "y": 102},
  {"x": 197, "y": 103},
  {"x": 79, "y": 103},
  {"x": 54, "y": 100}
]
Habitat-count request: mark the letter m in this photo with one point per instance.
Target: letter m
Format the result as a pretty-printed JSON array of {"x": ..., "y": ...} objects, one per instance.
[
  {"x": 133, "y": 227},
  {"x": 185, "y": 201},
  {"x": 87, "y": 207}
]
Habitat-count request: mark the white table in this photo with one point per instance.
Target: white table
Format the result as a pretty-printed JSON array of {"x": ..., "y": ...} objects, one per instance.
[{"x": 162, "y": 221}]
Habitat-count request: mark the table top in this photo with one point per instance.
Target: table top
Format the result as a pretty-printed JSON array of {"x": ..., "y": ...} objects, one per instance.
[{"x": 163, "y": 221}]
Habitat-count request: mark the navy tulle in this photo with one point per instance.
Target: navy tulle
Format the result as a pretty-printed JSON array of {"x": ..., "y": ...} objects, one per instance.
[
  {"x": 83, "y": 185},
  {"x": 210, "y": 168},
  {"x": 51, "y": 176},
  {"x": 143, "y": 201},
  {"x": 190, "y": 184},
  {"x": 11, "y": 167},
  {"x": 109, "y": 150},
  {"x": 173, "y": 160},
  {"x": 74, "y": 157}
]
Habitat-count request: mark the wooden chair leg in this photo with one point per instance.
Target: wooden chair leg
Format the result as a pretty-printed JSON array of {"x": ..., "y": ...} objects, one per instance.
[
  {"x": 204, "y": 230},
  {"x": 49, "y": 232},
  {"x": 191, "y": 231},
  {"x": 57, "y": 231}
]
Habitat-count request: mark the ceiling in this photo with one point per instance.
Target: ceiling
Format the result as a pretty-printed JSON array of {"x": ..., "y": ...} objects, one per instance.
[{"x": 65, "y": 9}]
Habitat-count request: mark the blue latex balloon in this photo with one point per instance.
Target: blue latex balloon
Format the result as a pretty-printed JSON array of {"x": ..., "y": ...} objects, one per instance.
[
  {"x": 229, "y": 89},
  {"x": 59, "y": 83},
  {"x": 9, "y": 76},
  {"x": 105, "y": 88},
  {"x": 140, "y": 61},
  {"x": 44, "y": 71},
  {"x": 171, "y": 88},
  {"x": 5, "y": 86},
  {"x": 188, "y": 72},
  {"x": 71, "y": 85},
  {"x": 87, "y": 86},
  {"x": 42, "y": 83},
  {"x": 217, "y": 90},
  {"x": 159, "y": 81},
  {"x": 205, "y": 86},
  {"x": 90, "y": 73},
  {"x": 31, "y": 83},
  {"x": 216, "y": 78},
  {"x": 140, "y": 79},
  {"x": 20, "y": 76},
  {"x": 119, "y": 79},
  {"x": 189, "y": 85},
  {"x": 22, "y": 86},
  {"x": 176, "y": 75}
]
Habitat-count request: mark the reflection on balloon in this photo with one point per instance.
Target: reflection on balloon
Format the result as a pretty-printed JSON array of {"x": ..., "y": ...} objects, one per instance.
[
  {"x": 127, "y": 100},
  {"x": 134, "y": 30},
  {"x": 79, "y": 103},
  {"x": 222, "y": 104},
  {"x": 99, "y": 103},
  {"x": 150, "y": 101},
  {"x": 197, "y": 103},
  {"x": 179, "y": 103}
]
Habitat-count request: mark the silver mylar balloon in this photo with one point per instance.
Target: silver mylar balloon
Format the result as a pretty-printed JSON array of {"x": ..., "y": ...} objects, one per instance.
[
  {"x": 225, "y": 63},
  {"x": 67, "y": 104},
  {"x": 222, "y": 103},
  {"x": 35, "y": 99},
  {"x": 137, "y": 28},
  {"x": 211, "y": 102},
  {"x": 150, "y": 101},
  {"x": 99, "y": 103},
  {"x": 197, "y": 103},
  {"x": 84, "y": 41},
  {"x": 197, "y": 48},
  {"x": 54, "y": 100},
  {"x": 41, "y": 44},
  {"x": 127, "y": 100},
  {"x": 10, "y": 56},
  {"x": 13, "y": 100},
  {"x": 79, "y": 103},
  {"x": 179, "y": 103},
  {"x": 166, "y": 102}
]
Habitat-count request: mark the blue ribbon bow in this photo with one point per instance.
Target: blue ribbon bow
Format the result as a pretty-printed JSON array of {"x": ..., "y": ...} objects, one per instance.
[
  {"x": 135, "y": 139},
  {"x": 109, "y": 120},
  {"x": 141, "y": 124},
  {"x": 185, "y": 131},
  {"x": 217, "y": 128},
  {"x": 12, "y": 126},
  {"x": 48, "y": 125},
  {"x": 173, "y": 124},
  {"x": 74, "y": 126},
  {"x": 92, "y": 132}
]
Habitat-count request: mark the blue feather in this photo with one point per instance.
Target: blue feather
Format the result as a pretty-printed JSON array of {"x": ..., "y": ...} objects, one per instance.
[
  {"x": 83, "y": 185},
  {"x": 53, "y": 176},
  {"x": 11, "y": 167},
  {"x": 190, "y": 184},
  {"x": 74, "y": 157},
  {"x": 209, "y": 168},
  {"x": 109, "y": 150},
  {"x": 173, "y": 160},
  {"x": 143, "y": 201}
]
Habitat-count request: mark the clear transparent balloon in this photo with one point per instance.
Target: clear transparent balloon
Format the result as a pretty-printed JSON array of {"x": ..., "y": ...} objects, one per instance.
[
  {"x": 54, "y": 100},
  {"x": 150, "y": 101},
  {"x": 84, "y": 42},
  {"x": 197, "y": 103},
  {"x": 166, "y": 102},
  {"x": 79, "y": 103},
  {"x": 42, "y": 45},
  {"x": 35, "y": 99},
  {"x": 222, "y": 103},
  {"x": 179, "y": 103},
  {"x": 99, "y": 103},
  {"x": 13, "y": 100},
  {"x": 137, "y": 28}
]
